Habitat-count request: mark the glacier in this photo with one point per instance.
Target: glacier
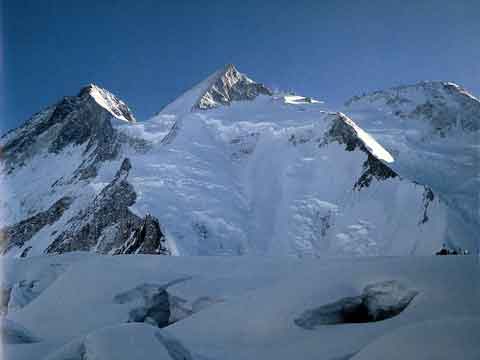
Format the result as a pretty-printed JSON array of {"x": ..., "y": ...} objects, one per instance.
[
  {"x": 243, "y": 223},
  {"x": 249, "y": 307}
]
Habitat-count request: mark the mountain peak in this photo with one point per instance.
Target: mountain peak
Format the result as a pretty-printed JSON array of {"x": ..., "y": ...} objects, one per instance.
[
  {"x": 420, "y": 90},
  {"x": 226, "y": 71},
  {"x": 109, "y": 102},
  {"x": 74, "y": 120},
  {"x": 444, "y": 105},
  {"x": 228, "y": 67},
  {"x": 222, "y": 87},
  {"x": 87, "y": 89},
  {"x": 227, "y": 85}
]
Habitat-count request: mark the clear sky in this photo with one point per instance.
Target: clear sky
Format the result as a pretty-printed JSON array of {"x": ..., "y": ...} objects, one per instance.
[{"x": 149, "y": 52}]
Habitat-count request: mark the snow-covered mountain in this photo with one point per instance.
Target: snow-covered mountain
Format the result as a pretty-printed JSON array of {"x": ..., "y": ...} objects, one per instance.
[
  {"x": 220, "y": 88},
  {"x": 232, "y": 168},
  {"x": 59, "y": 189},
  {"x": 433, "y": 131}
]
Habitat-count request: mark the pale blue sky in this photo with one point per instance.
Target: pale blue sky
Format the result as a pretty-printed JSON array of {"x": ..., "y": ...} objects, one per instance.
[{"x": 149, "y": 52}]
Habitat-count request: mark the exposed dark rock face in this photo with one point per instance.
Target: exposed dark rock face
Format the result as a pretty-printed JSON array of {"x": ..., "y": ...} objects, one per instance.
[
  {"x": 377, "y": 302},
  {"x": 428, "y": 197},
  {"x": 342, "y": 132},
  {"x": 446, "y": 250},
  {"x": 116, "y": 106},
  {"x": 82, "y": 120},
  {"x": 25, "y": 252},
  {"x": 230, "y": 85},
  {"x": 108, "y": 224},
  {"x": 373, "y": 169},
  {"x": 301, "y": 138},
  {"x": 75, "y": 120},
  {"x": 18, "y": 234},
  {"x": 18, "y": 145},
  {"x": 146, "y": 239}
]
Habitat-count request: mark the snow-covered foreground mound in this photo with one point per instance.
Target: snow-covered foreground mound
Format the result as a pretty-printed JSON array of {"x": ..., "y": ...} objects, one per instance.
[{"x": 151, "y": 307}]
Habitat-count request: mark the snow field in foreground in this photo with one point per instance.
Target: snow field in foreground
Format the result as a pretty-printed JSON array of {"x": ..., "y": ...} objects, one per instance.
[{"x": 243, "y": 307}]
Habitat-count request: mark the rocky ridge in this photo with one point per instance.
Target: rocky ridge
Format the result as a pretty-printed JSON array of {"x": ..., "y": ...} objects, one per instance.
[
  {"x": 115, "y": 216},
  {"x": 229, "y": 85}
]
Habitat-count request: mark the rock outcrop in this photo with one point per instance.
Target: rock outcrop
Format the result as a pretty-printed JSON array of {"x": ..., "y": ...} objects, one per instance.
[
  {"x": 342, "y": 132},
  {"x": 79, "y": 129},
  {"x": 18, "y": 234},
  {"x": 230, "y": 85},
  {"x": 75, "y": 120},
  {"x": 109, "y": 226},
  {"x": 442, "y": 105}
]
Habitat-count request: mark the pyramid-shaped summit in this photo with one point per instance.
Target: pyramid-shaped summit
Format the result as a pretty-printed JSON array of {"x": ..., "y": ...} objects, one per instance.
[
  {"x": 109, "y": 102},
  {"x": 220, "y": 88},
  {"x": 227, "y": 85}
]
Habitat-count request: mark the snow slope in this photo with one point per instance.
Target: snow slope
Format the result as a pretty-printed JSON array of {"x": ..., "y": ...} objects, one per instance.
[
  {"x": 250, "y": 306},
  {"x": 231, "y": 168},
  {"x": 258, "y": 177},
  {"x": 433, "y": 131},
  {"x": 65, "y": 183},
  {"x": 449, "y": 338}
]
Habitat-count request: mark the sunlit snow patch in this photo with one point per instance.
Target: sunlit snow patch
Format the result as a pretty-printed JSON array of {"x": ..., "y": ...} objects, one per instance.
[
  {"x": 299, "y": 100},
  {"x": 112, "y": 104},
  {"x": 372, "y": 145}
]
